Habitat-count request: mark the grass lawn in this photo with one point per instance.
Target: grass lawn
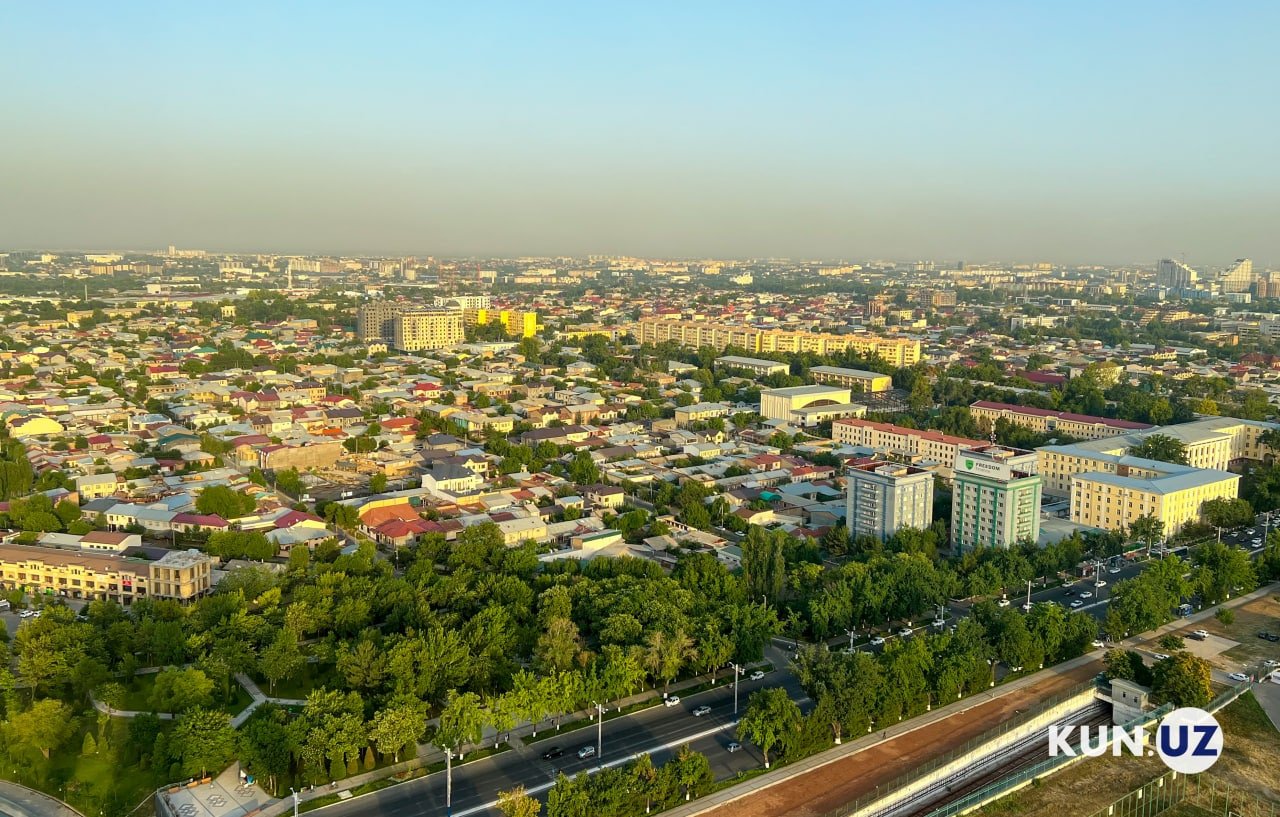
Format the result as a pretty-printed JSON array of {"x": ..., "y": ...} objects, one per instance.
[
  {"x": 88, "y": 783},
  {"x": 310, "y": 677},
  {"x": 138, "y": 696}
]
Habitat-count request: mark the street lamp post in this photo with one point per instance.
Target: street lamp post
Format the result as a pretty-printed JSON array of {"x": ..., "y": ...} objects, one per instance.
[
  {"x": 851, "y": 634},
  {"x": 599, "y": 730},
  {"x": 737, "y": 673},
  {"x": 295, "y": 801},
  {"x": 448, "y": 781}
]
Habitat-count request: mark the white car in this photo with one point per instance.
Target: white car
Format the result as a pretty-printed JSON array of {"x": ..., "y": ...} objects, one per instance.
[
  {"x": 1086, "y": 594},
  {"x": 1159, "y": 656},
  {"x": 702, "y": 710},
  {"x": 1076, "y": 603},
  {"x": 1271, "y": 662},
  {"x": 1201, "y": 634},
  {"x": 1113, "y": 570},
  {"x": 877, "y": 641},
  {"x": 1100, "y": 583},
  {"x": 939, "y": 623},
  {"x": 1003, "y": 603},
  {"x": 905, "y": 632},
  {"x": 671, "y": 700},
  {"x": 758, "y": 675},
  {"x": 586, "y": 752},
  {"x": 1098, "y": 643},
  {"x": 733, "y": 747},
  {"x": 1026, "y": 607},
  {"x": 1238, "y": 676}
]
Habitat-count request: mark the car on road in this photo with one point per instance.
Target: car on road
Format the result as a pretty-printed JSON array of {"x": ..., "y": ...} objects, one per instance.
[
  {"x": 758, "y": 675},
  {"x": 1003, "y": 603},
  {"x": 877, "y": 641},
  {"x": 1026, "y": 607},
  {"x": 586, "y": 752},
  {"x": 671, "y": 700},
  {"x": 1200, "y": 635},
  {"x": 1086, "y": 594},
  {"x": 702, "y": 710},
  {"x": 905, "y": 632},
  {"x": 1113, "y": 569},
  {"x": 1099, "y": 643},
  {"x": 1069, "y": 593},
  {"x": 939, "y": 623},
  {"x": 1076, "y": 603},
  {"x": 733, "y": 747},
  {"x": 1100, "y": 583},
  {"x": 1238, "y": 676},
  {"x": 553, "y": 753}
]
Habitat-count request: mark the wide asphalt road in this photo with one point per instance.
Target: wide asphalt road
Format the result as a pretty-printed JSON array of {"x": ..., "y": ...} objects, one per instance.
[{"x": 659, "y": 730}]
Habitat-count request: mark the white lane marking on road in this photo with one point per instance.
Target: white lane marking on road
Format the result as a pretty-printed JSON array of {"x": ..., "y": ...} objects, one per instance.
[{"x": 541, "y": 787}]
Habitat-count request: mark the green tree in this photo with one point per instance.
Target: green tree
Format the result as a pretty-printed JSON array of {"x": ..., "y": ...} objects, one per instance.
[
  {"x": 461, "y": 720},
  {"x": 1182, "y": 679},
  {"x": 202, "y": 740},
  {"x": 1227, "y": 513},
  {"x": 1161, "y": 447},
  {"x": 398, "y": 726},
  {"x": 224, "y": 501},
  {"x": 1148, "y": 530},
  {"x": 690, "y": 771},
  {"x": 178, "y": 690},
  {"x": 263, "y": 744},
  {"x": 770, "y": 714},
  {"x": 583, "y": 470},
  {"x": 516, "y": 803},
  {"x": 378, "y": 483},
  {"x": 281, "y": 659},
  {"x": 46, "y": 726}
]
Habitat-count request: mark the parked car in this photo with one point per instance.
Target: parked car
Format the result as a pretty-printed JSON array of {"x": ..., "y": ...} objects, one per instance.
[
  {"x": 1159, "y": 656},
  {"x": 1238, "y": 676},
  {"x": 1271, "y": 662},
  {"x": 1200, "y": 635},
  {"x": 671, "y": 700},
  {"x": 877, "y": 641},
  {"x": 702, "y": 710},
  {"x": 553, "y": 753},
  {"x": 733, "y": 747},
  {"x": 1098, "y": 643},
  {"x": 586, "y": 752},
  {"x": 758, "y": 675}
]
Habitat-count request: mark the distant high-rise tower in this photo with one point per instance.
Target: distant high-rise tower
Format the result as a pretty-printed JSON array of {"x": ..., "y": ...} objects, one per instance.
[
  {"x": 1238, "y": 277},
  {"x": 1175, "y": 275}
]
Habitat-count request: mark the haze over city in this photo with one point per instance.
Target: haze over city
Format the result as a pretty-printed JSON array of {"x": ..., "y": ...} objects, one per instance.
[{"x": 1089, "y": 132}]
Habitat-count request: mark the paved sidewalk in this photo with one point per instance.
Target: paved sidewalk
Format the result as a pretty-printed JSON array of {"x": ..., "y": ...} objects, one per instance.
[{"x": 19, "y": 801}]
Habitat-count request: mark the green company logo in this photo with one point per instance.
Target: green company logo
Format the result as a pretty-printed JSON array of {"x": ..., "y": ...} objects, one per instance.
[{"x": 968, "y": 464}]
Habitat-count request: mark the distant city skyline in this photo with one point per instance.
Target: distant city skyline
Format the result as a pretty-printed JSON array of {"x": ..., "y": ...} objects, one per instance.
[{"x": 1094, "y": 133}]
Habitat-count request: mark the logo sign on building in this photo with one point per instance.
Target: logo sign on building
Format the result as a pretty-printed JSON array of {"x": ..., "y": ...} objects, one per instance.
[
  {"x": 1188, "y": 740},
  {"x": 969, "y": 463}
]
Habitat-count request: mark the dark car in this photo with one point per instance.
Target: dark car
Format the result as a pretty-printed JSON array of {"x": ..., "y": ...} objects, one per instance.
[
  {"x": 553, "y": 753},
  {"x": 1272, "y": 637}
]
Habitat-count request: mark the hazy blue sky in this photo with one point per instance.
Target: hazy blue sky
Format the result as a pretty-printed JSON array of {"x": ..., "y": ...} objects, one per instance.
[{"x": 1109, "y": 131}]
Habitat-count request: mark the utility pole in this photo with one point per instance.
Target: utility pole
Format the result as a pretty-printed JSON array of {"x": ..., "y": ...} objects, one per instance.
[
  {"x": 599, "y": 730},
  {"x": 851, "y": 634},
  {"x": 448, "y": 782},
  {"x": 737, "y": 673},
  {"x": 1028, "y": 595}
]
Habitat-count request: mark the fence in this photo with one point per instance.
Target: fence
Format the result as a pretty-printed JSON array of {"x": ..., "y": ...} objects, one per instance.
[
  {"x": 1205, "y": 793},
  {"x": 1002, "y": 787},
  {"x": 970, "y": 746}
]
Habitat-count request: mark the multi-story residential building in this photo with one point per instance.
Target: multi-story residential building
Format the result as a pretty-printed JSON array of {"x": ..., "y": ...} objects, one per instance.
[
  {"x": 82, "y": 574},
  {"x": 1046, "y": 421},
  {"x": 921, "y": 447},
  {"x": 935, "y": 298},
  {"x": 894, "y": 351},
  {"x": 699, "y": 412},
  {"x": 858, "y": 380},
  {"x": 754, "y": 365},
  {"x": 376, "y": 320},
  {"x": 882, "y": 497},
  {"x": 996, "y": 498},
  {"x": 1213, "y": 443},
  {"x": 1138, "y": 487},
  {"x": 1238, "y": 277},
  {"x": 1175, "y": 275},
  {"x": 420, "y": 330},
  {"x": 463, "y": 301}
]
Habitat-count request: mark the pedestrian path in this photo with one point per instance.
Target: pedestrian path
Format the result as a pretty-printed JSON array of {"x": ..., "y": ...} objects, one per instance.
[{"x": 259, "y": 698}]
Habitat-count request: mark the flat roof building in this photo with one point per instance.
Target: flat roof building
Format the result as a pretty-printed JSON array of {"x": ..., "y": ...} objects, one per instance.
[
  {"x": 754, "y": 365},
  {"x": 858, "y": 380},
  {"x": 882, "y": 497},
  {"x": 995, "y": 499},
  {"x": 778, "y": 404}
]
